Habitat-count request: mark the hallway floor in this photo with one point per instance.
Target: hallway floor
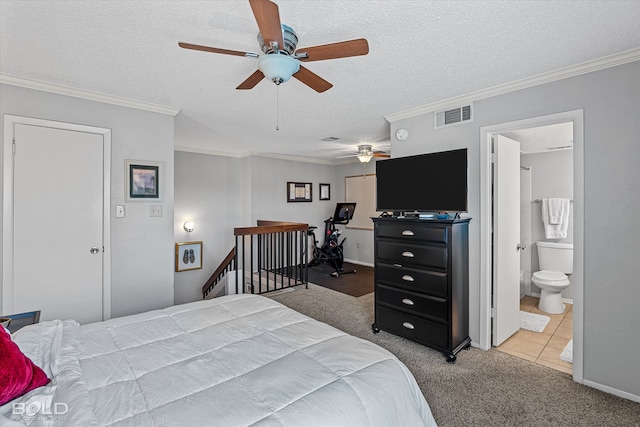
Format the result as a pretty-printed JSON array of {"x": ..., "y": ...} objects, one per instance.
[{"x": 543, "y": 347}]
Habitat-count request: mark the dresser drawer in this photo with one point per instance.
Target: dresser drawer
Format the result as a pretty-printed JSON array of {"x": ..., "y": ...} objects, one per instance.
[
  {"x": 417, "y": 329},
  {"x": 420, "y": 304},
  {"x": 412, "y": 255},
  {"x": 431, "y": 282},
  {"x": 412, "y": 231}
]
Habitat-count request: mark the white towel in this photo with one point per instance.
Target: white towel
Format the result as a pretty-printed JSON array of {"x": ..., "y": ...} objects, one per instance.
[{"x": 555, "y": 217}]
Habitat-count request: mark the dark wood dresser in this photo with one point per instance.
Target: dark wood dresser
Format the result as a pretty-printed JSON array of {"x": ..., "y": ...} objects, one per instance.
[{"x": 422, "y": 281}]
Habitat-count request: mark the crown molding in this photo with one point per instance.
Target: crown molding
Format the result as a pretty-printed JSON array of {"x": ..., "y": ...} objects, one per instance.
[
  {"x": 198, "y": 150},
  {"x": 184, "y": 148},
  {"x": 293, "y": 158},
  {"x": 87, "y": 94},
  {"x": 563, "y": 73}
]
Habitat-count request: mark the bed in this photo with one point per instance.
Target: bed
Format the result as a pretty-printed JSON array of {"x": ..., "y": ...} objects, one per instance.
[{"x": 238, "y": 360}]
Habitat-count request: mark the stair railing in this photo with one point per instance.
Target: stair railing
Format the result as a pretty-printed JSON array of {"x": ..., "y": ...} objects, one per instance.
[{"x": 271, "y": 256}]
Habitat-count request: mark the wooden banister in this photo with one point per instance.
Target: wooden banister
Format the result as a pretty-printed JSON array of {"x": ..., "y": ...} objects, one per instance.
[
  {"x": 221, "y": 268},
  {"x": 271, "y": 256},
  {"x": 266, "y": 227}
]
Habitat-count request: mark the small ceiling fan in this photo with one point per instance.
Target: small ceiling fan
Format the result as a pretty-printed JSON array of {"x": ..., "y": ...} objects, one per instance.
[
  {"x": 281, "y": 60},
  {"x": 366, "y": 153}
]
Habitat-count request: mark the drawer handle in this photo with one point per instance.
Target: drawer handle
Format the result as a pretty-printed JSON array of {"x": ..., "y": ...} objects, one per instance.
[
  {"x": 408, "y": 325},
  {"x": 407, "y": 301},
  {"x": 407, "y": 278},
  {"x": 397, "y": 265},
  {"x": 407, "y": 254},
  {"x": 408, "y": 233}
]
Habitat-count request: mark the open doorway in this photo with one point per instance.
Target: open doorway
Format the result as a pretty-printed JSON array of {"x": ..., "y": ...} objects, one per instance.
[
  {"x": 575, "y": 118},
  {"x": 545, "y": 171}
]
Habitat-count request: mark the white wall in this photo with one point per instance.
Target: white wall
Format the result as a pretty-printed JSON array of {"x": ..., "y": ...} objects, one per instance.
[
  {"x": 141, "y": 247},
  {"x": 609, "y": 99}
]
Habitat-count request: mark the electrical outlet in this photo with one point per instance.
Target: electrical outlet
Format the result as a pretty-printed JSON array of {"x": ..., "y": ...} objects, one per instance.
[{"x": 155, "y": 210}]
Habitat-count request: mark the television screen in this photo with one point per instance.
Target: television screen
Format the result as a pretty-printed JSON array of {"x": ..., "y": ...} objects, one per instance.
[{"x": 433, "y": 182}]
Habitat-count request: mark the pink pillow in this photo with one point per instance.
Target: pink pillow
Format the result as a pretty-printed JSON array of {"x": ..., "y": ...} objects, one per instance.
[{"x": 18, "y": 374}]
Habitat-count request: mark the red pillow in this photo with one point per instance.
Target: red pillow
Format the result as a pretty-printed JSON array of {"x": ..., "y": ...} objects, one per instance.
[{"x": 18, "y": 374}]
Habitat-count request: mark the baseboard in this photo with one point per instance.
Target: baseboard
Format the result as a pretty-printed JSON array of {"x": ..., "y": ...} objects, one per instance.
[
  {"x": 611, "y": 390},
  {"x": 353, "y": 261}
]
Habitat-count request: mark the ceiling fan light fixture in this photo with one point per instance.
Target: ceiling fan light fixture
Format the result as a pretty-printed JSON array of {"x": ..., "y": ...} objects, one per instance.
[
  {"x": 277, "y": 67},
  {"x": 364, "y": 158}
]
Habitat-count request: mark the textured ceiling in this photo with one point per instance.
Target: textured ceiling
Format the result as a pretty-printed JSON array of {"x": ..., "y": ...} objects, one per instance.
[{"x": 420, "y": 52}]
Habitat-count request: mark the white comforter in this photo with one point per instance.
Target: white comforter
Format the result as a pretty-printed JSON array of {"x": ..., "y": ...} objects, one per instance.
[{"x": 239, "y": 360}]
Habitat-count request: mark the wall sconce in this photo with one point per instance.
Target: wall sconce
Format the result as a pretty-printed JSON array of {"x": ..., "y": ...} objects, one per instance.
[{"x": 188, "y": 226}]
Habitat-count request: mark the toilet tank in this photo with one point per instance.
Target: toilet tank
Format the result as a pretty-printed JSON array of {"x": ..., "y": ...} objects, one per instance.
[{"x": 554, "y": 256}]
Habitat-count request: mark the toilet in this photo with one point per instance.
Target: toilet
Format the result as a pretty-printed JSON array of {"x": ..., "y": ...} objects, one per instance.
[{"x": 556, "y": 261}]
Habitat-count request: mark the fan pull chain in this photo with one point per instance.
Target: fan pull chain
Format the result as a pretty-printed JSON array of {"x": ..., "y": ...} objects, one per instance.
[{"x": 277, "y": 107}]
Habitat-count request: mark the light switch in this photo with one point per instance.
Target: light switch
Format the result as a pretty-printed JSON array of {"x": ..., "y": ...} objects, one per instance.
[{"x": 119, "y": 211}]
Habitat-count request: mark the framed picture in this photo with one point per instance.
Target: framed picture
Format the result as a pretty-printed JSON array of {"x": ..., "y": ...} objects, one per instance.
[
  {"x": 325, "y": 192},
  {"x": 298, "y": 191},
  {"x": 188, "y": 256},
  {"x": 143, "y": 180}
]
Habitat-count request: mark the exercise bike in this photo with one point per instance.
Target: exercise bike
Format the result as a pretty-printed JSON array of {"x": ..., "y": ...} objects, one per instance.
[{"x": 331, "y": 250}]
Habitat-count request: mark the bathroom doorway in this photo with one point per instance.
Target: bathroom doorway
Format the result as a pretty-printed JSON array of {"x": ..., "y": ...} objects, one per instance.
[
  {"x": 546, "y": 170},
  {"x": 575, "y": 120}
]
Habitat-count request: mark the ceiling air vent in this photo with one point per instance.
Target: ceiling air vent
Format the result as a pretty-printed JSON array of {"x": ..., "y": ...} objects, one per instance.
[{"x": 453, "y": 116}]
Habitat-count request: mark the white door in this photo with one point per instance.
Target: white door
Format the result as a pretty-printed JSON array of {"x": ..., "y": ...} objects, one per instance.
[
  {"x": 506, "y": 238},
  {"x": 58, "y": 203}
]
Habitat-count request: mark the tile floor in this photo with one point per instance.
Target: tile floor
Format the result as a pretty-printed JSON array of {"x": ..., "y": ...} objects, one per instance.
[{"x": 543, "y": 347}]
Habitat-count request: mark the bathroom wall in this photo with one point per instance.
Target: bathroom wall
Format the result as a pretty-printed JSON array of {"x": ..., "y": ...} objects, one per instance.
[
  {"x": 551, "y": 176},
  {"x": 525, "y": 232}
]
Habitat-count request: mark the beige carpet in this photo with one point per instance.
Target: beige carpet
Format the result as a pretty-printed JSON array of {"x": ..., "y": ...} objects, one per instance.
[{"x": 483, "y": 388}]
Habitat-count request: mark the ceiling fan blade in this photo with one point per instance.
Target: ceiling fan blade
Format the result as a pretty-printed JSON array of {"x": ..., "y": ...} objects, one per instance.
[
  {"x": 268, "y": 20},
  {"x": 349, "y": 155},
  {"x": 251, "y": 81},
  {"x": 382, "y": 155},
  {"x": 333, "y": 50},
  {"x": 216, "y": 50},
  {"x": 312, "y": 80}
]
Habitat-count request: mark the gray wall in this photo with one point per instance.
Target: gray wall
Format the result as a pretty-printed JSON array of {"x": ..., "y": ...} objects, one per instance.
[
  {"x": 269, "y": 179},
  {"x": 141, "y": 247},
  {"x": 208, "y": 191},
  {"x": 609, "y": 99}
]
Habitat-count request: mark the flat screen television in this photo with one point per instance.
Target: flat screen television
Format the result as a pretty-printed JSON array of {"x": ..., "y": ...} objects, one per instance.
[{"x": 433, "y": 182}]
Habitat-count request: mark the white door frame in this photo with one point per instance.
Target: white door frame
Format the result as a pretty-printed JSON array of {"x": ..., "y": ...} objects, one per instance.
[
  {"x": 486, "y": 132},
  {"x": 7, "y": 205}
]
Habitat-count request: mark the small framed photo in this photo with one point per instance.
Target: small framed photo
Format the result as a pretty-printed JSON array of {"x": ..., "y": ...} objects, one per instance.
[
  {"x": 325, "y": 192},
  {"x": 188, "y": 256},
  {"x": 298, "y": 191},
  {"x": 143, "y": 180}
]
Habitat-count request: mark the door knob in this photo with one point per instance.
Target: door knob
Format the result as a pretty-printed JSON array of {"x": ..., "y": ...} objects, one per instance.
[
  {"x": 94, "y": 250},
  {"x": 521, "y": 247}
]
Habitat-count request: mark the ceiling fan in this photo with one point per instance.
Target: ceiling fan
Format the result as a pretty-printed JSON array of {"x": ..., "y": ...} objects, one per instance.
[
  {"x": 281, "y": 60},
  {"x": 366, "y": 153}
]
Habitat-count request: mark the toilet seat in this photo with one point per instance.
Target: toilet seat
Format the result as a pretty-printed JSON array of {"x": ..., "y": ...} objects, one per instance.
[{"x": 545, "y": 277}]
